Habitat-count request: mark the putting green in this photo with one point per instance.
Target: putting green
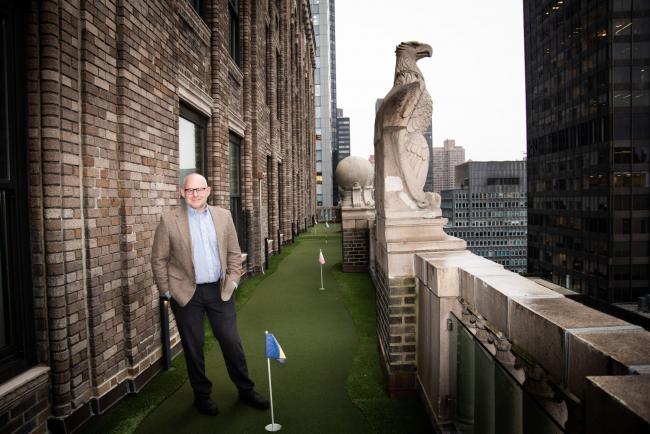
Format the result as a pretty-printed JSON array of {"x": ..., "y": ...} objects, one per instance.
[{"x": 320, "y": 341}]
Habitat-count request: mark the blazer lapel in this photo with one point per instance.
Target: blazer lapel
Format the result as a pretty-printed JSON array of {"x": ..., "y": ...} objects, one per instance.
[
  {"x": 220, "y": 237},
  {"x": 183, "y": 224}
]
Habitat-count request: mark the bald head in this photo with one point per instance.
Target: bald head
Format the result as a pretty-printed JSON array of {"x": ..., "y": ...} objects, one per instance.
[
  {"x": 195, "y": 178},
  {"x": 195, "y": 191}
]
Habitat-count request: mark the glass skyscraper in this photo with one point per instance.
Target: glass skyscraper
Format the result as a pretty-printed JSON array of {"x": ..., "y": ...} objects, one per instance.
[
  {"x": 588, "y": 122},
  {"x": 323, "y": 16}
]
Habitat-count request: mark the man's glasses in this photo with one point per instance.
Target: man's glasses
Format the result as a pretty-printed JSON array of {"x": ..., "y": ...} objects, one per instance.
[{"x": 192, "y": 191}]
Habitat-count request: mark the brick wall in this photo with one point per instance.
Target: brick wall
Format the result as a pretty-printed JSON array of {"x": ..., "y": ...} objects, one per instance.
[
  {"x": 105, "y": 80},
  {"x": 396, "y": 330},
  {"x": 356, "y": 224},
  {"x": 355, "y": 250}
]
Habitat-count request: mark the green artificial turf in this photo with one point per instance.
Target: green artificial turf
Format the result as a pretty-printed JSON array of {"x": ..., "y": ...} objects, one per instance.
[
  {"x": 365, "y": 383},
  {"x": 331, "y": 381},
  {"x": 125, "y": 417}
]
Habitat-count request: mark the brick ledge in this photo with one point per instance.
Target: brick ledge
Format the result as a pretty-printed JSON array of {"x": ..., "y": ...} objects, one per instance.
[{"x": 32, "y": 375}]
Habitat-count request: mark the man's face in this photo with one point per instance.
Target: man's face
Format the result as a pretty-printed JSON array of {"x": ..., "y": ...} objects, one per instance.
[{"x": 196, "y": 191}]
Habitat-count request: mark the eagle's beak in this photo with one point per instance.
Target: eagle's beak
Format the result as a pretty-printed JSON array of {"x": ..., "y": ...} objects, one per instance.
[{"x": 423, "y": 50}]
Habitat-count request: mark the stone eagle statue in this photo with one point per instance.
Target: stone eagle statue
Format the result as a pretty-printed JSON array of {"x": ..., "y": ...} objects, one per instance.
[{"x": 401, "y": 151}]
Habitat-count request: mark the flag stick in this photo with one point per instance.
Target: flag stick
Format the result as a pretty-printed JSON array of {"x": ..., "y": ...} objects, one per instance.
[
  {"x": 322, "y": 287},
  {"x": 272, "y": 426}
]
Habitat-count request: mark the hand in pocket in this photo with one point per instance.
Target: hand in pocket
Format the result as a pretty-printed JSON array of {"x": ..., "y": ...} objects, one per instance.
[{"x": 228, "y": 290}]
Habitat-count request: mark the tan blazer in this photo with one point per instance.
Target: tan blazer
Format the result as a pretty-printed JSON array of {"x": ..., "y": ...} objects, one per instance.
[{"x": 171, "y": 253}]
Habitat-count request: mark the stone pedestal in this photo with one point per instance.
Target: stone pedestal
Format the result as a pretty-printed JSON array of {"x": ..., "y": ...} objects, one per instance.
[
  {"x": 400, "y": 236},
  {"x": 355, "y": 224}
]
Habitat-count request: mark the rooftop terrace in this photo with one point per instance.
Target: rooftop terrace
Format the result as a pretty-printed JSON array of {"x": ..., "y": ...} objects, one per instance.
[
  {"x": 331, "y": 381},
  {"x": 496, "y": 352}
]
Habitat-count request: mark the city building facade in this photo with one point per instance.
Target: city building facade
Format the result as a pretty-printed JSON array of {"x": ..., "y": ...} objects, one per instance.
[
  {"x": 488, "y": 210},
  {"x": 106, "y": 106},
  {"x": 443, "y": 162},
  {"x": 588, "y": 123},
  {"x": 324, "y": 20},
  {"x": 342, "y": 134}
]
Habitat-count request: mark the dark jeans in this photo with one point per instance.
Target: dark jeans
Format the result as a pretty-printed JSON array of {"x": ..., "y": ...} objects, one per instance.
[{"x": 223, "y": 320}]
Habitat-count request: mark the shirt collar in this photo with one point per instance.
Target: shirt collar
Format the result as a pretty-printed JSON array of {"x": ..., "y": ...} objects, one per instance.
[{"x": 192, "y": 212}]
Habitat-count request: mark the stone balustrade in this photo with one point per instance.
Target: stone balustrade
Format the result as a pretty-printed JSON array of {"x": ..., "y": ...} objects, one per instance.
[{"x": 590, "y": 368}]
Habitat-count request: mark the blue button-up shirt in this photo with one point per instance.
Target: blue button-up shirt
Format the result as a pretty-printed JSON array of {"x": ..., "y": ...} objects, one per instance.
[{"x": 205, "y": 249}]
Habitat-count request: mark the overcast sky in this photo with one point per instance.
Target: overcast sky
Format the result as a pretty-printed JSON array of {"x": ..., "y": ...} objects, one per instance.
[{"x": 475, "y": 76}]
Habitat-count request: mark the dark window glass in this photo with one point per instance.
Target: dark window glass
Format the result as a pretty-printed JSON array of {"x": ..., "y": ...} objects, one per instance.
[
  {"x": 234, "y": 160},
  {"x": 198, "y": 6},
  {"x": 269, "y": 196},
  {"x": 267, "y": 94},
  {"x": 280, "y": 195},
  {"x": 17, "y": 351},
  {"x": 233, "y": 8},
  {"x": 277, "y": 85}
]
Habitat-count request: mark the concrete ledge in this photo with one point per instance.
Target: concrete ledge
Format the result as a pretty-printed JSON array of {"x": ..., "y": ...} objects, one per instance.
[
  {"x": 495, "y": 293},
  {"x": 540, "y": 326},
  {"x": 618, "y": 405},
  {"x": 439, "y": 270},
  {"x": 569, "y": 340},
  {"x": 607, "y": 351}
]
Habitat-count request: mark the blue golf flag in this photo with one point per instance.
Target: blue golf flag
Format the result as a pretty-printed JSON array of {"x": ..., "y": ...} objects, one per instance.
[{"x": 273, "y": 348}]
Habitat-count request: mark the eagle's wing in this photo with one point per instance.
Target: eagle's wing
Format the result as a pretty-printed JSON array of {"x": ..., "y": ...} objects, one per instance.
[
  {"x": 421, "y": 116},
  {"x": 413, "y": 151},
  {"x": 399, "y": 104}
]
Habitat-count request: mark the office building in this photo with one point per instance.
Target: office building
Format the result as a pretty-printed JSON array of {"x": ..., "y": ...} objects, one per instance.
[
  {"x": 588, "y": 123},
  {"x": 342, "y": 134},
  {"x": 323, "y": 13},
  {"x": 444, "y": 161},
  {"x": 487, "y": 208}
]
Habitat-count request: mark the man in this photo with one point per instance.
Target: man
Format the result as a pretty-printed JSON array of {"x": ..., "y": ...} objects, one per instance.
[{"x": 196, "y": 261}]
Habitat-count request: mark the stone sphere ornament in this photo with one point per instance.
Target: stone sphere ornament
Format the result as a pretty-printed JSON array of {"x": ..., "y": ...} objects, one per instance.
[{"x": 353, "y": 170}]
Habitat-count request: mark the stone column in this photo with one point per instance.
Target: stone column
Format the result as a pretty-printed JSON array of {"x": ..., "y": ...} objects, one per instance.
[
  {"x": 354, "y": 178},
  {"x": 400, "y": 236},
  {"x": 409, "y": 220},
  {"x": 356, "y": 238}
]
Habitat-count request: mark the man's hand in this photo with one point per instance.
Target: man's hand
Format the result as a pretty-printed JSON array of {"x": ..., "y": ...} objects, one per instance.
[
  {"x": 167, "y": 295},
  {"x": 228, "y": 290}
]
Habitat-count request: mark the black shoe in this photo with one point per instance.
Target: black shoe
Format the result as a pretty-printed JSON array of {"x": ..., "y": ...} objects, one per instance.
[
  {"x": 206, "y": 406},
  {"x": 254, "y": 399}
]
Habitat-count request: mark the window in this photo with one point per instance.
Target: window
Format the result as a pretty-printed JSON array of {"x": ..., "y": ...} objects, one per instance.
[
  {"x": 277, "y": 85},
  {"x": 269, "y": 196},
  {"x": 233, "y": 8},
  {"x": 191, "y": 142},
  {"x": 234, "y": 159},
  {"x": 280, "y": 195},
  {"x": 198, "y": 6},
  {"x": 267, "y": 67},
  {"x": 17, "y": 351}
]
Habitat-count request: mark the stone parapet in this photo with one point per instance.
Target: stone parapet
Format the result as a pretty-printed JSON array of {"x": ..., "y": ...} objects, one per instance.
[
  {"x": 565, "y": 341},
  {"x": 617, "y": 404}
]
